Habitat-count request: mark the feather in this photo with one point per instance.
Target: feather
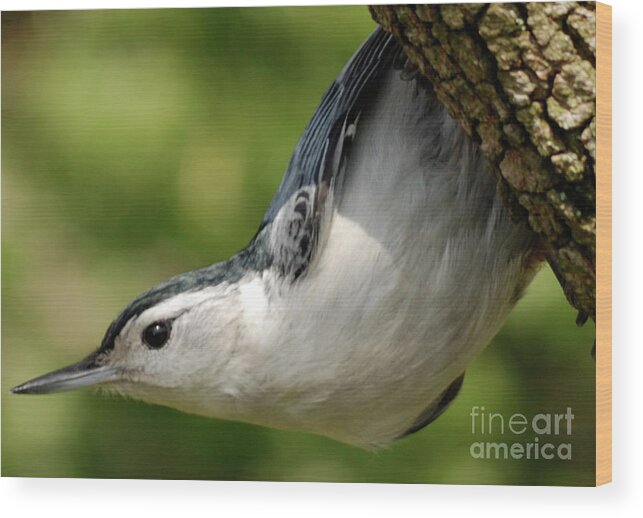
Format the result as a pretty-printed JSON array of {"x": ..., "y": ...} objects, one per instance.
[{"x": 296, "y": 213}]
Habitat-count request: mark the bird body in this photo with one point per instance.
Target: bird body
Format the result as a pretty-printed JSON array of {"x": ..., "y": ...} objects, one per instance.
[{"x": 385, "y": 263}]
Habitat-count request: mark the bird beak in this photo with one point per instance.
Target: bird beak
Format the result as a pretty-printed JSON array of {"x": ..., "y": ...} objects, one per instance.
[{"x": 82, "y": 374}]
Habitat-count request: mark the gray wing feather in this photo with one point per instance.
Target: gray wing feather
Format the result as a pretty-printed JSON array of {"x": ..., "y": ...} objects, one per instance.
[
  {"x": 294, "y": 216},
  {"x": 309, "y": 164}
]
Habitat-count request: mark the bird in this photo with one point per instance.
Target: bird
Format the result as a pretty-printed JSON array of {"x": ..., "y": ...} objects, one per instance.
[{"x": 385, "y": 263}]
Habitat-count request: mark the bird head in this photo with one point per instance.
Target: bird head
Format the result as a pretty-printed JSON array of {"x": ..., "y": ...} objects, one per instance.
[{"x": 168, "y": 346}]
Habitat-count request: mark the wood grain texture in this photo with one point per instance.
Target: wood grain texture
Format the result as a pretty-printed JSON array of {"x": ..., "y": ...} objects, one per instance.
[{"x": 604, "y": 244}]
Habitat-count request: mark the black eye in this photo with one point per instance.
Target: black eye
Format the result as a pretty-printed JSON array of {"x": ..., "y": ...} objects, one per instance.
[{"x": 156, "y": 335}]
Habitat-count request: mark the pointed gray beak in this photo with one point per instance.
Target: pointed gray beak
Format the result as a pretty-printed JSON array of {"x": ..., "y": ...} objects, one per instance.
[{"x": 82, "y": 374}]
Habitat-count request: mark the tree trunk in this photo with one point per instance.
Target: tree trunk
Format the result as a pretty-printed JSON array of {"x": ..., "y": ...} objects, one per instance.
[{"x": 520, "y": 79}]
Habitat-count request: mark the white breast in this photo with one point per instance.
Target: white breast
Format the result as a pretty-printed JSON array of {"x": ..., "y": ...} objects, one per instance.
[{"x": 419, "y": 267}]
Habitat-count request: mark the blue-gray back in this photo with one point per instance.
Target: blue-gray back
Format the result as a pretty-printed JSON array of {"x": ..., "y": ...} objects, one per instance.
[{"x": 312, "y": 160}]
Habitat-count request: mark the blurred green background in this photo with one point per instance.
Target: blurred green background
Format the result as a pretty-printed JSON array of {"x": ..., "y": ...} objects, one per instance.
[{"x": 142, "y": 143}]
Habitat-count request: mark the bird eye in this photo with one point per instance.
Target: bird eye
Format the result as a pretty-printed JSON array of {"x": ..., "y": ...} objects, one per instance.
[{"x": 156, "y": 335}]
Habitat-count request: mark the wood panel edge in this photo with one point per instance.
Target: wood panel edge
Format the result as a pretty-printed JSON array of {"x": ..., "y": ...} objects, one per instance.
[{"x": 603, "y": 243}]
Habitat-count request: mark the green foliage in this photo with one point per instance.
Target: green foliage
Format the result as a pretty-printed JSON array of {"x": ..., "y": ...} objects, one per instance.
[{"x": 138, "y": 144}]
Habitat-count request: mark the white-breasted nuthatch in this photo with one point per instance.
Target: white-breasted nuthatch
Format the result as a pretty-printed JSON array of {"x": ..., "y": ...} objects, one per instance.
[{"x": 384, "y": 264}]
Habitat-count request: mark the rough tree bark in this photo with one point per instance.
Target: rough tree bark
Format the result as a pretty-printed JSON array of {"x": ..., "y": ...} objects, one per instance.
[{"x": 520, "y": 79}]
